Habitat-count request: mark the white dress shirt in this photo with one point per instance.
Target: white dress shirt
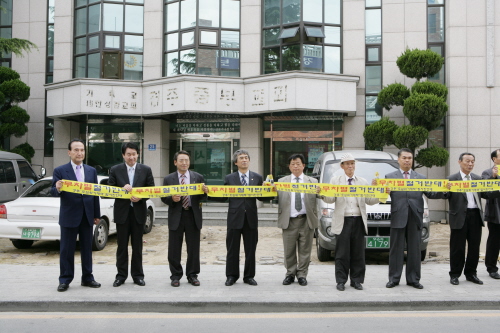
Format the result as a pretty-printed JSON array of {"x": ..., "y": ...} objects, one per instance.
[
  {"x": 351, "y": 207},
  {"x": 293, "y": 211},
  {"x": 471, "y": 203}
]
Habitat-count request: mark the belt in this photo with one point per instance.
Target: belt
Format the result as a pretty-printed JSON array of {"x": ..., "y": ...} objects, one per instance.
[
  {"x": 189, "y": 208},
  {"x": 469, "y": 209},
  {"x": 300, "y": 216},
  {"x": 351, "y": 217}
]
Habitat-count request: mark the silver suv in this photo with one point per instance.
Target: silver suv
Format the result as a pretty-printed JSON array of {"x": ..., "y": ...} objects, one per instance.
[{"x": 369, "y": 164}]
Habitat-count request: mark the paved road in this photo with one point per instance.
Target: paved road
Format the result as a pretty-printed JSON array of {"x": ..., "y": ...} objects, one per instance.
[{"x": 409, "y": 322}]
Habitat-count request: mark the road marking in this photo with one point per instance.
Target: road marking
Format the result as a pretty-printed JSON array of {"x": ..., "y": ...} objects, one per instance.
[{"x": 249, "y": 315}]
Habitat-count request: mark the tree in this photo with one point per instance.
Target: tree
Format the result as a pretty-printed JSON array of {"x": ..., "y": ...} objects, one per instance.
[
  {"x": 13, "y": 118},
  {"x": 424, "y": 105}
]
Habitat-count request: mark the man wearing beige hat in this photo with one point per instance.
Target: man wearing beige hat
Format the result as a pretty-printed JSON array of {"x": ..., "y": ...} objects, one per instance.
[{"x": 350, "y": 228}]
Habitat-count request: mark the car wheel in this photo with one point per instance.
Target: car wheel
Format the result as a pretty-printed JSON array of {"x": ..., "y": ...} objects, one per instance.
[
  {"x": 323, "y": 254},
  {"x": 22, "y": 243},
  {"x": 423, "y": 254},
  {"x": 100, "y": 238},
  {"x": 148, "y": 225}
]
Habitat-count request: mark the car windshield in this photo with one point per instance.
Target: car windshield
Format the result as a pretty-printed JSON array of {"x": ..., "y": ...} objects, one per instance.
[
  {"x": 368, "y": 169},
  {"x": 39, "y": 189}
]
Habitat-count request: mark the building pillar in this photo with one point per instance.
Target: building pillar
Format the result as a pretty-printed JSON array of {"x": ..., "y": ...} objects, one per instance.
[
  {"x": 156, "y": 131},
  {"x": 153, "y": 43},
  {"x": 250, "y": 30},
  {"x": 63, "y": 41},
  {"x": 252, "y": 139},
  {"x": 64, "y": 132}
]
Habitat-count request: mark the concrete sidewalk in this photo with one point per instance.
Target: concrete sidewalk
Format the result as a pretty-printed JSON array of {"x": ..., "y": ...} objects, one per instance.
[{"x": 33, "y": 288}]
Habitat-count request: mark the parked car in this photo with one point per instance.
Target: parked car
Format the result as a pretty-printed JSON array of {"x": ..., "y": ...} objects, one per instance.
[
  {"x": 35, "y": 216},
  {"x": 16, "y": 176},
  {"x": 369, "y": 165}
]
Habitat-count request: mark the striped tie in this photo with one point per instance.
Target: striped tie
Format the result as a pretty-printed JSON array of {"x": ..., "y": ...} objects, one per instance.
[
  {"x": 185, "y": 199},
  {"x": 243, "y": 180}
]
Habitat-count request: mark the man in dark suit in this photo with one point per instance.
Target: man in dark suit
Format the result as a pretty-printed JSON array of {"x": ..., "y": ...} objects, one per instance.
[
  {"x": 407, "y": 210},
  {"x": 242, "y": 220},
  {"x": 298, "y": 220},
  {"x": 466, "y": 221},
  {"x": 184, "y": 218},
  {"x": 492, "y": 216},
  {"x": 77, "y": 215},
  {"x": 130, "y": 214}
]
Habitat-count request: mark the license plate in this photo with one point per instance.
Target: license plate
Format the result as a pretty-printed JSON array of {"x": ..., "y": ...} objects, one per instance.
[
  {"x": 31, "y": 233},
  {"x": 377, "y": 242}
]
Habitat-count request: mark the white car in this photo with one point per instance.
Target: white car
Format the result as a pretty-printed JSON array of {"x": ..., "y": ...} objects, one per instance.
[{"x": 35, "y": 216}]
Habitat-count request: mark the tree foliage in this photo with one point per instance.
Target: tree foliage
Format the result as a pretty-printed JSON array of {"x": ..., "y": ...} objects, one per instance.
[
  {"x": 409, "y": 136},
  {"x": 16, "y": 46},
  {"x": 431, "y": 156},
  {"x": 424, "y": 105},
  {"x": 425, "y": 110},
  {"x": 419, "y": 63},
  {"x": 380, "y": 134},
  {"x": 393, "y": 94}
]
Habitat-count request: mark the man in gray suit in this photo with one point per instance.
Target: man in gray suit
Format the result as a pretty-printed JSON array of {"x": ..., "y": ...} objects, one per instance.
[
  {"x": 492, "y": 216},
  {"x": 350, "y": 228},
  {"x": 407, "y": 210},
  {"x": 466, "y": 221},
  {"x": 298, "y": 221}
]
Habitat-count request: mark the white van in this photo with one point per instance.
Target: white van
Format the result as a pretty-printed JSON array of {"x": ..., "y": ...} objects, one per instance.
[{"x": 16, "y": 176}]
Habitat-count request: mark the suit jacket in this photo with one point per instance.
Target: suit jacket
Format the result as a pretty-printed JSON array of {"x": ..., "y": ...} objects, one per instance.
[
  {"x": 285, "y": 200},
  {"x": 458, "y": 202},
  {"x": 241, "y": 207},
  {"x": 492, "y": 209},
  {"x": 402, "y": 201},
  {"x": 175, "y": 208},
  {"x": 340, "y": 204},
  {"x": 143, "y": 177},
  {"x": 73, "y": 205}
]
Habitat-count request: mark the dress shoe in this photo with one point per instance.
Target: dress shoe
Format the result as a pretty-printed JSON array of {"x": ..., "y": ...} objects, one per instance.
[
  {"x": 454, "y": 281},
  {"x": 194, "y": 281},
  {"x": 391, "y": 284},
  {"x": 250, "y": 281},
  {"x": 91, "y": 284},
  {"x": 118, "y": 283},
  {"x": 473, "y": 279},
  {"x": 288, "y": 280},
  {"x": 175, "y": 283},
  {"x": 416, "y": 285},
  {"x": 140, "y": 282},
  {"x": 63, "y": 287},
  {"x": 340, "y": 286},
  {"x": 230, "y": 281},
  {"x": 356, "y": 285},
  {"x": 495, "y": 275},
  {"x": 302, "y": 281}
]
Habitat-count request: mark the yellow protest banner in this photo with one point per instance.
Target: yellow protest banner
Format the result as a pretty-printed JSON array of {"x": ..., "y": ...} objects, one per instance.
[
  {"x": 308, "y": 188},
  {"x": 94, "y": 189},
  {"x": 363, "y": 191},
  {"x": 484, "y": 185},
  {"x": 166, "y": 191},
  {"x": 241, "y": 191},
  {"x": 423, "y": 185}
]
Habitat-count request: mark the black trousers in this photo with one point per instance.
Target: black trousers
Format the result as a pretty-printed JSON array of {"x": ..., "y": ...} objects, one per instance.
[
  {"x": 133, "y": 231},
  {"x": 410, "y": 235},
  {"x": 67, "y": 252},
  {"x": 188, "y": 227},
  {"x": 469, "y": 234},
  {"x": 492, "y": 247},
  {"x": 233, "y": 240},
  {"x": 350, "y": 251}
]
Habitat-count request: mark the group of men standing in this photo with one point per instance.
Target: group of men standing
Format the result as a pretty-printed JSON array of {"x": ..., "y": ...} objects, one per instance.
[{"x": 297, "y": 218}]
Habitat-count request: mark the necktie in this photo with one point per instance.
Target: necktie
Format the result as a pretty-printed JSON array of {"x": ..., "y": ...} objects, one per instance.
[
  {"x": 350, "y": 181},
  {"x": 406, "y": 174},
  {"x": 474, "y": 194},
  {"x": 79, "y": 175},
  {"x": 185, "y": 199},
  {"x": 131, "y": 176},
  {"x": 243, "y": 180},
  {"x": 298, "y": 198}
]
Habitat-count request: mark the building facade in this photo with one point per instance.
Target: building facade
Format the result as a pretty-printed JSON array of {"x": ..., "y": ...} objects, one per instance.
[{"x": 272, "y": 76}]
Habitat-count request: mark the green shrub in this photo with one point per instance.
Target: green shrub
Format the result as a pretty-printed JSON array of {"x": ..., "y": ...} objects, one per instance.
[
  {"x": 25, "y": 150},
  {"x": 7, "y": 74},
  {"x": 15, "y": 91},
  {"x": 419, "y": 63},
  {"x": 432, "y": 156},
  {"x": 428, "y": 87},
  {"x": 380, "y": 134},
  {"x": 393, "y": 94},
  {"x": 411, "y": 137},
  {"x": 425, "y": 110}
]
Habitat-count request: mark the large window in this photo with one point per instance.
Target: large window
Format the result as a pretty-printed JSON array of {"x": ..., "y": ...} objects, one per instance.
[
  {"x": 6, "y": 29},
  {"x": 373, "y": 59},
  {"x": 302, "y": 35},
  {"x": 202, "y": 37},
  {"x": 109, "y": 39}
]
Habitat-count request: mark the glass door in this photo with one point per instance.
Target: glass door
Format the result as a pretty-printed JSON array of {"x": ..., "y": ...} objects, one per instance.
[{"x": 212, "y": 159}]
